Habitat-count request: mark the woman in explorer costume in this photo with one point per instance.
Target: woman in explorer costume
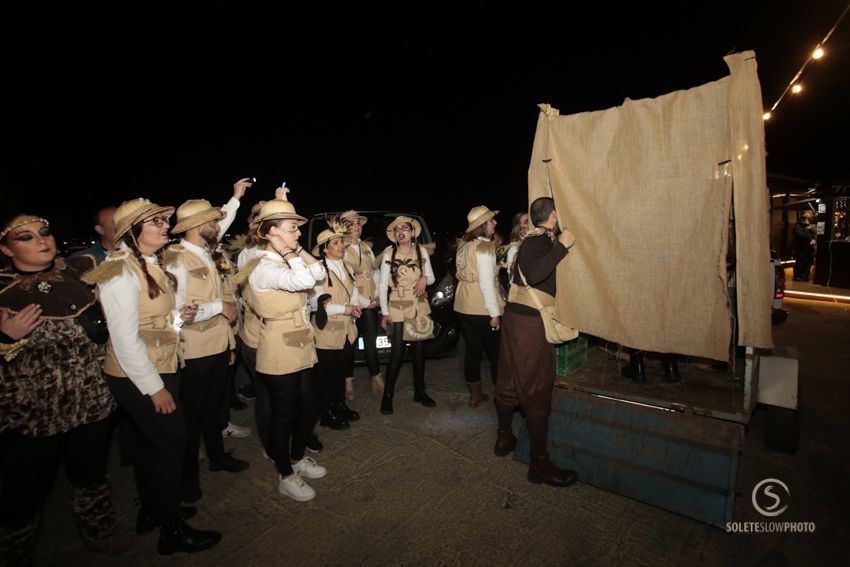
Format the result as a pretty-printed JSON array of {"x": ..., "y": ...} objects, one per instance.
[
  {"x": 141, "y": 367},
  {"x": 405, "y": 272},
  {"x": 280, "y": 279},
  {"x": 478, "y": 303}
]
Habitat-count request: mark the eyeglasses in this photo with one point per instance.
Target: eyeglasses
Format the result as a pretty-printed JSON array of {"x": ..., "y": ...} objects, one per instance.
[
  {"x": 403, "y": 229},
  {"x": 158, "y": 221}
]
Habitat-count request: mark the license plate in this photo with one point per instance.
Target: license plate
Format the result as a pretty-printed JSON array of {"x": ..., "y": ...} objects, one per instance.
[{"x": 380, "y": 342}]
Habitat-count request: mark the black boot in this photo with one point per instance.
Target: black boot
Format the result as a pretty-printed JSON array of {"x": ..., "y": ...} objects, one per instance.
[
  {"x": 345, "y": 411},
  {"x": 635, "y": 368},
  {"x": 333, "y": 420},
  {"x": 181, "y": 537},
  {"x": 505, "y": 438},
  {"x": 419, "y": 393},
  {"x": 389, "y": 387},
  {"x": 671, "y": 368},
  {"x": 146, "y": 521},
  {"x": 541, "y": 469}
]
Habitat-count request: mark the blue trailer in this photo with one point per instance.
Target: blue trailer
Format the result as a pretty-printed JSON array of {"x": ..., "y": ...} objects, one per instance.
[{"x": 672, "y": 445}]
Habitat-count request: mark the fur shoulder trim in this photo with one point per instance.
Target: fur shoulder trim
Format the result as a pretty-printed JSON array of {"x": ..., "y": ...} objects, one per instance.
[{"x": 108, "y": 269}]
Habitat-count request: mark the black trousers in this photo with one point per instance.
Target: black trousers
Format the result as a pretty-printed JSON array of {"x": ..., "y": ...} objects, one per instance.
[
  {"x": 28, "y": 465},
  {"x": 368, "y": 324},
  {"x": 262, "y": 408},
  {"x": 292, "y": 399},
  {"x": 203, "y": 382},
  {"x": 479, "y": 338},
  {"x": 159, "y": 458},
  {"x": 396, "y": 335},
  {"x": 333, "y": 368}
]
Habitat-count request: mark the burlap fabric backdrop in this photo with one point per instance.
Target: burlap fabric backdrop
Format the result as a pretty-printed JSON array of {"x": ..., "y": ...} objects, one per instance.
[{"x": 647, "y": 189}]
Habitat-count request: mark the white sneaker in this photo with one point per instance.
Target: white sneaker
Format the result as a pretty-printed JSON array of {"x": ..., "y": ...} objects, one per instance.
[
  {"x": 233, "y": 430},
  {"x": 295, "y": 487},
  {"x": 309, "y": 468}
]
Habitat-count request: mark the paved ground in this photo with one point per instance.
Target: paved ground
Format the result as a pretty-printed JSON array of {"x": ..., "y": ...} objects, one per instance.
[{"x": 422, "y": 487}]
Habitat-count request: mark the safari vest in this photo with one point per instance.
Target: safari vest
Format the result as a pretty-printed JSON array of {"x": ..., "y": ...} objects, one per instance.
[
  {"x": 286, "y": 337},
  {"x": 360, "y": 259},
  {"x": 203, "y": 285},
  {"x": 338, "y": 327},
  {"x": 468, "y": 299},
  {"x": 156, "y": 327},
  {"x": 402, "y": 303},
  {"x": 249, "y": 332}
]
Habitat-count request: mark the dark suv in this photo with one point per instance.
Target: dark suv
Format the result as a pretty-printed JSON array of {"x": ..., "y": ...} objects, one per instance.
[{"x": 441, "y": 294}]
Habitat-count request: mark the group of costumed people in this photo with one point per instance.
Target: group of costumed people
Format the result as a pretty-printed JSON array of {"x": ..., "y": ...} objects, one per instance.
[{"x": 153, "y": 329}]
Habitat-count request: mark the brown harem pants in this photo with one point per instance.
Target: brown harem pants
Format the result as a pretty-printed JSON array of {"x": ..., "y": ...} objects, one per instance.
[{"x": 526, "y": 365}]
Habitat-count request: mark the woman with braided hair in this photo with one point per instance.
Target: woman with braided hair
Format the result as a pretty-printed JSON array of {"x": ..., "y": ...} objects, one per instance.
[
  {"x": 405, "y": 272},
  {"x": 335, "y": 327},
  {"x": 137, "y": 296}
]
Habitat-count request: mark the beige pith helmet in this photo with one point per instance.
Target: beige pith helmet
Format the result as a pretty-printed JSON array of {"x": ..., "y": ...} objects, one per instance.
[
  {"x": 478, "y": 216},
  {"x": 417, "y": 228},
  {"x": 132, "y": 212},
  {"x": 325, "y": 236},
  {"x": 276, "y": 209},
  {"x": 351, "y": 215},
  {"x": 195, "y": 212}
]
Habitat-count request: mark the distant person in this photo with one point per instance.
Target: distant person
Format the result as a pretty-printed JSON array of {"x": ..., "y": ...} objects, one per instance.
[
  {"x": 54, "y": 402},
  {"x": 360, "y": 258},
  {"x": 527, "y": 360},
  {"x": 104, "y": 226},
  {"x": 519, "y": 228},
  {"x": 805, "y": 238},
  {"x": 405, "y": 273},
  {"x": 141, "y": 367},
  {"x": 478, "y": 302}
]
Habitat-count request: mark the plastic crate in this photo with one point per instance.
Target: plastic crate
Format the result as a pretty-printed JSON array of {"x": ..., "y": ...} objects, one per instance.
[{"x": 571, "y": 356}]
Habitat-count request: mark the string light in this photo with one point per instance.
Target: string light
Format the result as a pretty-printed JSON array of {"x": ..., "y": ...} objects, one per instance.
[{"x": 818, "y": 53}]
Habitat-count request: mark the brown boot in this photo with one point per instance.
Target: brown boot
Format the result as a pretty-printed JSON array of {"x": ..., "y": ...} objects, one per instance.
[
  {"x": 476, "y": 396},
  {"x": 378, "y": 384},
  {"x": 541, "y": 469}
]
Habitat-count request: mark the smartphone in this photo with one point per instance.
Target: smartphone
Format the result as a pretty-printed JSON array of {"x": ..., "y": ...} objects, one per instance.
[
  {"x": 282, "y": 185},
  {"x": 252, "y": 179}
]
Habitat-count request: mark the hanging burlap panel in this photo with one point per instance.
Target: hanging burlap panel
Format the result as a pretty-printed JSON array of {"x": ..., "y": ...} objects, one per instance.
[{"x": 646, "y": 189}]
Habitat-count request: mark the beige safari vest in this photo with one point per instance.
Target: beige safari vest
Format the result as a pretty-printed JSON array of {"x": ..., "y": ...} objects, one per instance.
[
  {"x": 402, "y": 303},
  {"x": 338, "y": 327},
  {"x": 469, "y": 300},
  {"x": 359, "y": 258},
  {"x": 249, "y": 332},
  {"x": 286, "y": 336},
  {"x": 203, "y": 285},
  {"x": 155, "y": 323}
]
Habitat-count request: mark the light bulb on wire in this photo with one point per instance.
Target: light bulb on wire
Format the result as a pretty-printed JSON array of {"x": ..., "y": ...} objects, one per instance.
[{"x": 797, "y": 88}]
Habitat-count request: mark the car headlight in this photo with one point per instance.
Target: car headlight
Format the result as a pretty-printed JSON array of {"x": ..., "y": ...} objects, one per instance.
[{"x": 444, "y": 293}]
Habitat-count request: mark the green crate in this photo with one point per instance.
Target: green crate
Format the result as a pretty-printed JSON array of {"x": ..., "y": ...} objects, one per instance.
[{"x": 571, "y": 356}]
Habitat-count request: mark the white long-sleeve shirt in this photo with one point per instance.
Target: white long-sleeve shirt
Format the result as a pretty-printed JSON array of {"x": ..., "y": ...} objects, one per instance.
[
  {"x": 298, "y": 276},
  {"x": 229, "y": 209},
  {"x": 339, "y": 269},
  {"x": 205, "y": 310},
  {"x": 511, "y": 258},
  {"x": 246, "y": 255},
  {"x": 487, "y": 280},
  {"x": 119, "y": 298},
  {"x": 384, "y": 282}
]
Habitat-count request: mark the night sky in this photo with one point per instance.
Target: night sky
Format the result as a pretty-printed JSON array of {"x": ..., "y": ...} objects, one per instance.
[{"x": 428, "y": 107}]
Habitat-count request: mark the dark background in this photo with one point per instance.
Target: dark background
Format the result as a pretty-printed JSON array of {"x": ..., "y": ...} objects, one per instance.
[{"x": 429, "y": 107}]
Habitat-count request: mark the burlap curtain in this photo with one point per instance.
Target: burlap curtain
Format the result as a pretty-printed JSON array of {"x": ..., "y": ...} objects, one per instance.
[{"x": 647, "y": 189}]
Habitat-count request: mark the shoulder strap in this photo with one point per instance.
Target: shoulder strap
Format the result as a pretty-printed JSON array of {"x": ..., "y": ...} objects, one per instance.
[{"x": 530, "y": 289}]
